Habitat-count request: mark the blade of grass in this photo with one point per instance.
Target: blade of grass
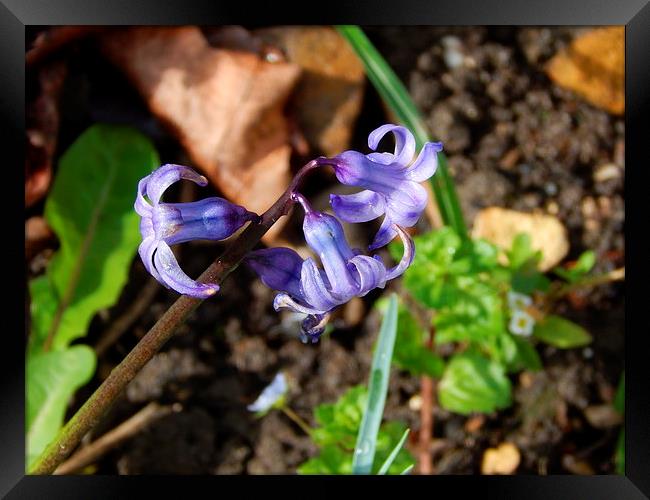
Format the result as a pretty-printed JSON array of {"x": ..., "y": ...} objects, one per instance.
[
  {"x": 407, "y": 470},
  {"x": 391, "y": 458},
  {"x": 364, "y": 452},
  {"x": 396, "y": 96}
]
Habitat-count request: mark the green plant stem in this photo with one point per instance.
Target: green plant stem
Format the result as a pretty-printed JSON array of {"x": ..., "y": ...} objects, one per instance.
[
  {"x": 107, "y": 393},
  {"x": 587, "y": 282},
  {"x": 394, "y": 93},
  {"x": 297, "y": 419}
]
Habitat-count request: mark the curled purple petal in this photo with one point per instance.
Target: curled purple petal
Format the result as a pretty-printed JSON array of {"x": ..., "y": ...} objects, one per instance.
[
  {"x": 371, "y": 272},
  {"x": 384, "y": 236},
  {"x": 426, "y": 163},
  {"x": 407, "y": 256},
  {"x": 285, "y": 301},
  {"x": 167, "y": 175},
  {"x": 146, "y": 250},
  {"x": 172, "y": 276},
  {"x": 278, "y": 268},
  {"x": 404, "y": 142},
  {"x": 316, "y": 290},
  {"x": 359, "y": 207}
]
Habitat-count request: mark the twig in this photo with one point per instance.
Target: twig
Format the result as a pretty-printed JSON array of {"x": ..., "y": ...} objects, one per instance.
[
  {"x": 426, "y": 418},
  {"x": 106, "y": 394},
  {"x": 98, "y": 448},
  {"x": 122, "y": 324}
]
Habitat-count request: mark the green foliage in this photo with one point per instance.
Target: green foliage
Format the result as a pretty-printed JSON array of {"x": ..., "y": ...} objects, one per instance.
[
  {"x": 561, "y": 332},
  {"x": 583, "y": 265},
  {"x": 364, "y": 452},
  {"x": 466, "y": 283},
  {"x": 523, "y": 262},
  {"x": 90, "y": 208},
  {"x": 472, "y": 382},
  {"x": 410, "y": 352},
  {"x": 339, "y": 424},
  {"x": 52, "y": 378}
]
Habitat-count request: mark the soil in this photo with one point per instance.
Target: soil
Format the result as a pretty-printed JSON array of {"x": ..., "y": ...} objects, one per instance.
[{"x": 513, "y": 139}]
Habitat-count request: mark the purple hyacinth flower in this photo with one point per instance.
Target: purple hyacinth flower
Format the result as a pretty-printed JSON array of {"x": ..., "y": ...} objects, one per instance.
[
  {"x": 166, "y": 224},
  {"x": 391, "y": 184},
  {"x": 306, "y": 288}
]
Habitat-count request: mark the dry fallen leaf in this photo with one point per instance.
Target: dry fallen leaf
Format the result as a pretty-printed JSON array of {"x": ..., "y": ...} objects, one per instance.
[
  {"x": 594, "y": 67},
  {"x": 500, "y": 226},
  {"x": 42, "y": 130},
  {"x": 504, "y": 459},
  {"x": 226, "y": 107},
  {"x": 328, "y": 98}
]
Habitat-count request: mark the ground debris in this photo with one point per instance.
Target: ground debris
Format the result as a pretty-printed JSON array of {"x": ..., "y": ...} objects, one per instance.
[{"x": 226, "y": 107}]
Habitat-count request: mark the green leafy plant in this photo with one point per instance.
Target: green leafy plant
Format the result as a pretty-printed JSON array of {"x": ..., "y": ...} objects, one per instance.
[
  {"x": 489, "y": 305},
  {"x": 350, "y": 435},
  {"x": 90, "y": 208},
  {"x": 336, "y": 435}
]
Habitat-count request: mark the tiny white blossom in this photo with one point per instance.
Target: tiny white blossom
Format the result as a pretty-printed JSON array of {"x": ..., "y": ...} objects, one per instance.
[
  {"x": 521, "y": 323},
  {"x": 517, "y": 301},
  {"x": 271, "y": 394}
]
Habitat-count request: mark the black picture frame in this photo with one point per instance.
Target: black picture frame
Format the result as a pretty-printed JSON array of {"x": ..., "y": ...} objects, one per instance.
[{"x": 16, "y": 15}]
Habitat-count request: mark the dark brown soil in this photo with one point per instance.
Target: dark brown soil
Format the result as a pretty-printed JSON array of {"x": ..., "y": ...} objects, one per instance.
[{"x": 513, "y": 139}]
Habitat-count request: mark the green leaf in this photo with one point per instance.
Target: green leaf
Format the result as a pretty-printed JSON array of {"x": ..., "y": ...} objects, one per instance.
[
  {"x": 90, "y": 208},
  {"x": 52, "y": 378},
  {"x": 561, "y": 332},
  {"x": 583, "y": 265},
  {"x": 519, "y": 354},
  {"x": 473, "y": 383},
  {"x": 331, "y": 460},
  {"x": 396, "y": 96},
  {"x": 522, "y": 252},
  {"x": 410, "y": 352},
  {"x": 339, "y": 425},
  {"x": 364, "y": 453},
  {"x": 391, "y": 458},
  {"x": 43, "y": 306}
]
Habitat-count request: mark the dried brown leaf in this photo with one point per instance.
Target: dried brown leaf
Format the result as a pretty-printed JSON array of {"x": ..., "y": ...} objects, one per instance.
[
  {"x": 594, "y": 67},
  {"x": 226, "y": 107},
  {"x": 328, "y": 98}
]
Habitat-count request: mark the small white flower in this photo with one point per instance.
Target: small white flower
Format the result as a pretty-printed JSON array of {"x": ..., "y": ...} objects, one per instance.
[
  {"x": 521, "y": 323},
  {"x": 271, "y": 394},
  {"x": 518, "y": 301}
]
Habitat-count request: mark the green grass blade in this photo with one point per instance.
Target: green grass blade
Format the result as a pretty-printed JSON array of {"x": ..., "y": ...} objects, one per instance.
[
  {"x": 391, "y": 458},
  {"x": 407, "y": 470},
  {"x": 364, "y": 452},
  {"x": 396, "y": 96}
]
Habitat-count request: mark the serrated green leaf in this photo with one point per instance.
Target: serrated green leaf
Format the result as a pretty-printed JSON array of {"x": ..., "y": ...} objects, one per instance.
[
  {"x": 52, "y": 378},
  {"x": 473, "y": 383},
  {"x": 561, "y": 332},
  {"x": 90, "y": 208}
]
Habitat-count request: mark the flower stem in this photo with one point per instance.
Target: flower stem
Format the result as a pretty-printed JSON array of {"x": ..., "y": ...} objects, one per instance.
[
  {"x": 297, "y": 419},
  {"x": 107, "y": 393}
]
